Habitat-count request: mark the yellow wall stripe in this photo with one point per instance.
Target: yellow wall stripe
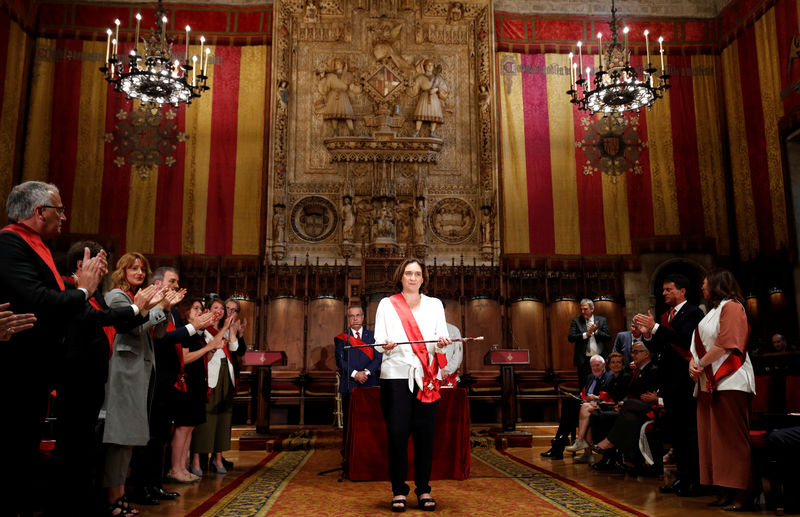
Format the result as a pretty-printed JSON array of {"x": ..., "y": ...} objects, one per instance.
[
  {"x": 562, "y": 161},
  {"x": 250, "y": 150},
  {"x": 512, "y": 148},
  {"x": 141, "y": 228},
  {"x": 662, "y": 167},
  {"x": 36, "y": 162},
  {"x": 769, "y": 77},
  {"x": 87, "y": 188},
  {"x": 9, "y": 117},
  {"x": 198, "y": 152},
  {"x": 709, "y": 153},
  {"x": 740, "y": 162}
]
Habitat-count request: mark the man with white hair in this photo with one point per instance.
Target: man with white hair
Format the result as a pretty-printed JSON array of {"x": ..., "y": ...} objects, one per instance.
[
  {"x": 31, "y": 283},
  {"x": 590, "y": 335}
]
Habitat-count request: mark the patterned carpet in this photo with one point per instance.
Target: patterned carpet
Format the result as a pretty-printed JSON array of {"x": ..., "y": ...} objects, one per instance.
[{"x": 286, "y": 483}]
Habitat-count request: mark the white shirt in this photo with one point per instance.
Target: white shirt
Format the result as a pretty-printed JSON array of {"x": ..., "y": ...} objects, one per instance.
[
  {"x": 677, "y": 310},
  {"x": 454, "y": 353},
  {"x": 592, "y": 348},
  {"x": 215, "y": 362},
  {"x": 401, "y": 362}
]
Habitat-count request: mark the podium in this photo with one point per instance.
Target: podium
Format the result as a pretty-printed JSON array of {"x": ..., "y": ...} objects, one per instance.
[
  {"x": 263, "y": 362},
  {"x": 507, "y": 359}
]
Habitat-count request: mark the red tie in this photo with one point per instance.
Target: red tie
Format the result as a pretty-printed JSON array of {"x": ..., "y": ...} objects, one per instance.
[
  {"x": 671, "y": 315},
  {"x": 358, "y": 335}
]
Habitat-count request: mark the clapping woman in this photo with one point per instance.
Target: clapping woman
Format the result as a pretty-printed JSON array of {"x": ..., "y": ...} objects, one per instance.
[{"x": 725, "y": 388}]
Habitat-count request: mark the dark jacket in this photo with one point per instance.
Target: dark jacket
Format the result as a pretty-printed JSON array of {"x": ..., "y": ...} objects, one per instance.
[
  {"x": 355, "y": 359},
  {"x": 601, "y": 335}
]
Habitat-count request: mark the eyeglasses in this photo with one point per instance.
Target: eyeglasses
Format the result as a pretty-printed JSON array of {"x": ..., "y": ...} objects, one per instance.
[
  {"x": 59, "y": 209},
  {"x": 231, "y": 309},
  {"x": 637, "y": 351},
  {"x": 355, "y": 315}
]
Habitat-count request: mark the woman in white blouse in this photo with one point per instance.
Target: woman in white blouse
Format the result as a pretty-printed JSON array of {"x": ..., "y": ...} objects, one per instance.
[{"x": 409, "y": 383}]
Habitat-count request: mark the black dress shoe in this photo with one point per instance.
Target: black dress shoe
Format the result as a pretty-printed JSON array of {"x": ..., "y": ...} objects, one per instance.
[
  {"x": 608, "y": 462},
  {"x": 162, "y": 495},
  {"x": 227, "y": 464},
  {"x": 690, "y": 490},
  {"x": 143, "y": 496},
  {"x": 670, "y": 489},
  {"x": 555, "y": 452}
]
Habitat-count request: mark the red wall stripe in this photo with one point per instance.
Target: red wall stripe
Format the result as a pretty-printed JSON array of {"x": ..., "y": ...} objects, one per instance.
[
  {"x": 222, "y": 162},
  {"x": 756, "y": 140},
  {"x": 64, "y": 142},
  {"x": 684, "y": 149},
  {"x": 640, "y": 187},
  {"x": 114, "y": 199},
  {"x": 590, "y": 190},
  {"x": 786, "y": 28},
  {"x": 168, "y": 236},
  {"x": 537, "y": 156}
]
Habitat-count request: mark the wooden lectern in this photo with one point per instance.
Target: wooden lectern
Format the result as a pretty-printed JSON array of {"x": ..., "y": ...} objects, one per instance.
[
  {"x": 506, "y": 359},
  {"x": 263, "y": 362}
]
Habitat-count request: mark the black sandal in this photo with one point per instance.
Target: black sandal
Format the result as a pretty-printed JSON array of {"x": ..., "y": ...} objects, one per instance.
[
  {"x": 401, "y": 505},
  {"x": 425, "y": 506},
  {"x": 123, "y": 506}
]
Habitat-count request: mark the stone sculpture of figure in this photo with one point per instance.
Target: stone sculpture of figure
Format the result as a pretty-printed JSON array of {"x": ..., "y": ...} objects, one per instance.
[
  {"x": 311, "y": 11},
  {"x": 335, "y": 87},
  {"x": 283, "y": 91},
  {"x": 348, "y": 219},
  {"x": 432, "y": 90},
  {"x": 456, "y": 11},
  {"x": 486, "y": 226},
  {"x": 484, "y": 97},
  {"x": 278, "y": 225},
  {"x": 384, "y": 220},
  {"x": 419, "y": 220}
]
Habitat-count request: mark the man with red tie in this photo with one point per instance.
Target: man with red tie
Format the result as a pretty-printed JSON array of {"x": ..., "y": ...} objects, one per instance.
[
  {"x": 357, "y": 366},
  {"x": 671, "y": 339}
]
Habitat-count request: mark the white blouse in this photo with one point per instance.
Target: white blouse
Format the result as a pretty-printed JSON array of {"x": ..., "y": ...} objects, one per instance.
[
  {"x": 215, "y": 362},
  {"x": 401, "y": 362}
]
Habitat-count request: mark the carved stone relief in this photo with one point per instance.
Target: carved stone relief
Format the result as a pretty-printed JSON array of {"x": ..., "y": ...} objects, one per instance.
[{"x": 386, "y": 104}]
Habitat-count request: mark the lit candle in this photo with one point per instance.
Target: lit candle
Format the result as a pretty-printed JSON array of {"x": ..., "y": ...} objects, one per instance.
[
  {"x": 114, "y": 44},
  {"x": 588, "y": 70},
  {"x": 175, "y": 67},
  {"x": 187, "y": 42},
  {"x": 202, "y": 41},
  {"x": 194, "y": 69},
  {"x": 108, "y": 44},
  {"x": 600, "y": 42},
  {"x": 116, "y": 36},
  {"x": 580, "y": 53},
  {"x": 164, "y": 29},
  {"x": 574, "y": 75},
  {"x": 136, "y": 41},
  {"x": 571, "y": 85},
  {"x": 647, "y": 46},
  {"x": 205, "y": 65},
  {"x": 625, "y": 32},
  {"x": 661, "y": 51}
]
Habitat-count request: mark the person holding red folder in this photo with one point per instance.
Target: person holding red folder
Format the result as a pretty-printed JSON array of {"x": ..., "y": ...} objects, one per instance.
[{"x": 409, "y": 384}]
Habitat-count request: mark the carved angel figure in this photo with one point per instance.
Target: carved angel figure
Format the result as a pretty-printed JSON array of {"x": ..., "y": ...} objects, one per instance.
[
  {"x": 432, "y": 90},
  {"x": 335, "y": 87},
  {"x": 486, "y": 225}
]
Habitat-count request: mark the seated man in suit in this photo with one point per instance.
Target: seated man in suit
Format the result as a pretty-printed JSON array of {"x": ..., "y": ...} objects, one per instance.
[{"x": 357, "y": 366}]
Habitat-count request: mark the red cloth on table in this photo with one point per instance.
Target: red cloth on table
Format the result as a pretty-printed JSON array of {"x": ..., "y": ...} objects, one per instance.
[{"x": 367, "y": 455}]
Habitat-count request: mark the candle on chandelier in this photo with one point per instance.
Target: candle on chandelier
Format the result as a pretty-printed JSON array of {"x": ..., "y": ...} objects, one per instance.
[
  {"x": 114, "y": 44},
  {"x": 588, "y": 71},
  {"x": 205, "y": 64},
  {"x": 175, "y": 67},
  {"x": 108, "y": 44},
  {"x": 116, "y": 36},
  {"x": 164, "y": 29},
  {"x": 625, "y": 32},
  {"x": 187, "y": 42},
  {"x": 136, "y": 41},
  {"x": 194, "y": 69},
  {"x": 202, "y": 41},
  {"x": 661, "y": 51},
  {"x": 580, "y": 53},
  {"x": 571, "y": 82},
  {"x": 647, "y": 46},
  {"x": 600, "y": 43},
  {"x": 574, "y": 75}
]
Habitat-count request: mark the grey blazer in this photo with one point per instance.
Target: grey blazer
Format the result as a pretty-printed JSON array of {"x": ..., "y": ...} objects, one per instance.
[{"x": 129, "y": 376}]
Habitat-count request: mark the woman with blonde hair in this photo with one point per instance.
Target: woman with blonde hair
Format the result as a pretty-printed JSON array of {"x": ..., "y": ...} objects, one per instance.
[{"x": 130, "y": 373}]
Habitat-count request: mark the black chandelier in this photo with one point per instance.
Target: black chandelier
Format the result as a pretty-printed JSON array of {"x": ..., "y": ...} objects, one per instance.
[
  {"x": 154, "y": 77},
  {"x": 617, "y": 85}
]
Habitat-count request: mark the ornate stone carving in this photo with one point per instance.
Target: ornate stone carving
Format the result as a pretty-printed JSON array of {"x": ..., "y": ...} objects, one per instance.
[
  {"x": 314, "y": 218},
  {"x": 452, "y": 220},
  {"x": 431, "y": 91},
  {"x": 278, "y": 231},
  {"x": 348, "y": 220},
  {"x": 335, "y": 86}
]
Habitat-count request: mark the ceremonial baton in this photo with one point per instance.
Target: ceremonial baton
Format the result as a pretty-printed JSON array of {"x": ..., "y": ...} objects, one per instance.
[{"x": 463, "y": 339}]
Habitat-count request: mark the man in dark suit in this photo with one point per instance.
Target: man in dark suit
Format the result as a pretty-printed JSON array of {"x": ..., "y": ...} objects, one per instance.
[
  {"x": 357, "y": 366},
  {"x": 671, "y": 339},
  {"x": 30, "y": 282},
  {"x": 590, "y": 335},
  {"x": 623, "y": 343}
]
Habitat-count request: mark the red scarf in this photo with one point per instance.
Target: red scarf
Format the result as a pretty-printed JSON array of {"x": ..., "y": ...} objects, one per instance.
[
  {"x": 686, "y": 354},
  {"x": 430, "y": 384},
  {"x": 355, "y": 342},
  {"x": 732, "y": 363},
  {"x": 35, "y": 242}
]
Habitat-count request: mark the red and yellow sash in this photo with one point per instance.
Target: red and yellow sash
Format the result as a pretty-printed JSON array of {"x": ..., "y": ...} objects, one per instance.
[
  {"x": 35, "y": 242},
  {"x": 430, "y": 384},
  {"x": 355, "y": 342}
]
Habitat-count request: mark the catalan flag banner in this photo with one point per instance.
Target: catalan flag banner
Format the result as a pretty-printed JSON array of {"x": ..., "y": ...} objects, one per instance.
[
  {"x": 14, "y": 46},
  {"x": 184, "y": 180}
]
